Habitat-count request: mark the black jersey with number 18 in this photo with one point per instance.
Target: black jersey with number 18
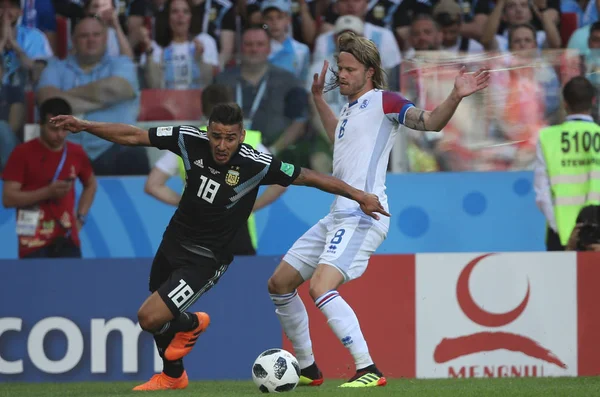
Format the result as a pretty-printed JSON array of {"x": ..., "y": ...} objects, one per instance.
[{"x": 218, "y": 199}]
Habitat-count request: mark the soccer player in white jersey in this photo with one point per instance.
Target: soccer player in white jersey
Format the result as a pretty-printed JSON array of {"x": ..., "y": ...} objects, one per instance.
[{"x": 337, "y": 249}]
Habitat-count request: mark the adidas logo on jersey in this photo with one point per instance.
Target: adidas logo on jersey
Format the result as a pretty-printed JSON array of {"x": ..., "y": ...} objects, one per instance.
[{"x": 199, "y": 163}]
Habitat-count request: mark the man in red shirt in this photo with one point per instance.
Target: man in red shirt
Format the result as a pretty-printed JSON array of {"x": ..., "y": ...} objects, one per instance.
[{"x": 39, "y": 182}]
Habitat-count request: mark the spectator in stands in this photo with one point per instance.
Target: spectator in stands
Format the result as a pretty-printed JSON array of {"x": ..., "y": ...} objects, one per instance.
[
  {"x": 138, "y": 14},
  {"x": 217, "y": 19},
  {"x": 286, "y": 52},
  {"x": 20, "y": 45},
  {"x": 587, "y": 41},
  {"x": 246, "y": 240},
  {"x": 576, "y": 7},
  {"x": 273, "y": 100},
  {"x": 526, "y": 98},
  {"x": 182, "y": 62},
  {"x": 101, "y": 88},
  {"x": 425, "y": 35},
  {"x": 117, "y": 42},
  {"x": 12, "y": 117},
  {"x": 304, "y": 16},
  {"x": 39, "y": 181},
  {"x": 448, "y": 16},
  {"x": 390, "y": 14},
  {"x": 383, "y": 38},
  {"x": 519, "y": 12},
  {"x": 41, "y": 15}
]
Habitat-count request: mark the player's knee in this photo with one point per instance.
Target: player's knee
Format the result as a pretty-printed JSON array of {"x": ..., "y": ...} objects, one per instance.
[
  {"x": 317, "y": 289},
  {"x": 147, "y": 321},
  {"x": 277, "y": 286}
]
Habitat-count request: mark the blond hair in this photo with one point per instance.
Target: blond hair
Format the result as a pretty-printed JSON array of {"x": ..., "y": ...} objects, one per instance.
[{"x": 365, "y": 52}]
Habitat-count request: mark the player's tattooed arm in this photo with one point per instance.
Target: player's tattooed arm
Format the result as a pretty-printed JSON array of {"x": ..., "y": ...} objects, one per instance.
[
  {"x": 415, "y": 119},
  {"x": 369, "y": 203}
]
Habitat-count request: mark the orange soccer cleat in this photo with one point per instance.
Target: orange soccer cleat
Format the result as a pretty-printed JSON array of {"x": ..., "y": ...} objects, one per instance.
[
  {"x": 183, "y": 342},
  {"x": 164, "y": 382}
]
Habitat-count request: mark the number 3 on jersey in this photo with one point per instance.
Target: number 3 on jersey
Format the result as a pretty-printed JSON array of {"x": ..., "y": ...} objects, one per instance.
[
  {"x": 342, "y": 128},
  {"x": 208, "y": 189}
]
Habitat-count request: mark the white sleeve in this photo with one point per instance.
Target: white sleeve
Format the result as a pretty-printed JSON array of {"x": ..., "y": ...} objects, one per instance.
[
  {"x": 168, "y": 163},
  {"x": 210, "y": 55},
  {"x": 541, "y": 186},
  {"x": 390, "y": 52}
]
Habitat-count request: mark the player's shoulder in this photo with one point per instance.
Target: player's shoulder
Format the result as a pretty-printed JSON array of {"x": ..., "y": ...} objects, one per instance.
[
  {"x": 193, "y": 132},
  {"x": 393, "y": 102},
  {"x": 250, "y": 155}
]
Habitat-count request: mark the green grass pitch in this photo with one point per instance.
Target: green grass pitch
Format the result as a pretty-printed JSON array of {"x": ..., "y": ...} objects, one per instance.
[{"x": 571, "y": 387}]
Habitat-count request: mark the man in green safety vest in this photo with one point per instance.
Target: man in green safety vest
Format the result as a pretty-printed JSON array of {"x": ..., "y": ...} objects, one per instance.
[
  {"x": 246, "y": 239},
  {"x": 567, "y": 169}
]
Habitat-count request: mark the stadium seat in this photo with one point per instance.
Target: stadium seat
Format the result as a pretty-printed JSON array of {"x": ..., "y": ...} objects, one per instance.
[
  {"x": 62, "y": 36},
  {"x": 29, "y": 107},
  {"x": 158, "y": 105},
  {"x": 568, "y": 24}
]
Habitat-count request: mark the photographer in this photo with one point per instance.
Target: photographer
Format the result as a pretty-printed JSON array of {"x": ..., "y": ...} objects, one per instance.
[
  {"x": 586, "y": 234},
  {"x": 567, "y": 169}
]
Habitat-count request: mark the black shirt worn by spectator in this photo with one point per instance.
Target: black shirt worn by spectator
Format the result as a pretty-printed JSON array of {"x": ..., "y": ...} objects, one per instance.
[
  {"x": 218, "y": 199},
  {"x": 217, "y": 15}
]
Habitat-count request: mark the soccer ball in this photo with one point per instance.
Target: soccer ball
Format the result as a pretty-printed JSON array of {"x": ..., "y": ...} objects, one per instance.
[{"x": 276, "y": 371}]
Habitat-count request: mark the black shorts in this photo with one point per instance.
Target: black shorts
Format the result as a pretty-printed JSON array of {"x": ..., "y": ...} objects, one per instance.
[{"x": 181, "y": 276}]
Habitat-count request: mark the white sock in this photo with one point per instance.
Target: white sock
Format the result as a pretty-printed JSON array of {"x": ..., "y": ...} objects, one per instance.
[
  {"x": 294, "y": 320},
  {"x": 343, "y": 322}
]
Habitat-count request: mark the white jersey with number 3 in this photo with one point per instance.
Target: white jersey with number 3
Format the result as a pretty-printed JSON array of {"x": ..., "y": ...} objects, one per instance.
[{"x": 364, "y": 137}]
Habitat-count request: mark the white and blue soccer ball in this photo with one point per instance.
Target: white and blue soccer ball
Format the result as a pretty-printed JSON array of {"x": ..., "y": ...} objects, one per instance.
[{"x": 276, "y": 371}]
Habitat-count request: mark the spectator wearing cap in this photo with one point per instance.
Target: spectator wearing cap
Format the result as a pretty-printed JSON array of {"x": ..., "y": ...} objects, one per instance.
[
  {"x": 286, "y": 52},
  {"x": 20, "y": 45},
  {"x": 98, "y": 87},
  {"x": 326, "y": 47},
  {"x": 448, "y": 15}
]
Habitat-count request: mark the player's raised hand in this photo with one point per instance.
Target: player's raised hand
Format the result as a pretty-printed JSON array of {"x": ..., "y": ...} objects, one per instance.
[
  {"x": 319, "y": 80},
  {"x": 370, "y": 205},
  {"x": 69, "y": 123},
  {"x": 469, "y": 83}
]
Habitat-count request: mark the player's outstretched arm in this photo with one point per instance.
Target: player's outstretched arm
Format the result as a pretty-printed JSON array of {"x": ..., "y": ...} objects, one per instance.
[
  {"x": 369, "y": 203},
  {"x": 123, "y": 134},
  {"x": 464, "y": 85}
]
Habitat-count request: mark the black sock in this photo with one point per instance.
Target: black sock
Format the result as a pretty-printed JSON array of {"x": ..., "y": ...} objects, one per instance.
[
  {"x": 174, "y": 369},
  {"x": 370, "y": 369},
  {"x": 185, "y": 322},
  {"x": 311, "y": 372}
]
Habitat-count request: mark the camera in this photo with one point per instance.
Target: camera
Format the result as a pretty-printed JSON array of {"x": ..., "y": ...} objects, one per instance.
[{"x": 589, "y": 233}]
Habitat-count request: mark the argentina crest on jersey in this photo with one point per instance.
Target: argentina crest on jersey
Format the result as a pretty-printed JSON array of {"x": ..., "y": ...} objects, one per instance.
[{"x": 233, "y": 176}]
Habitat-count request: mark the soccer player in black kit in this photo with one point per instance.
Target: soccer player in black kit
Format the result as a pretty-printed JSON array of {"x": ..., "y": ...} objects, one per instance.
[{"x": 222, "y": 182}]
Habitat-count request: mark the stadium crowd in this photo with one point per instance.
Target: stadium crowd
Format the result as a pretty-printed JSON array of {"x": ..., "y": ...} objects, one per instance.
[{"x": 144, "y": 61}]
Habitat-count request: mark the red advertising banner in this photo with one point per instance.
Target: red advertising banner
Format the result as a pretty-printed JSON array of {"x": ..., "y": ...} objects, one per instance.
[
  {"x": 471, "y": 315},
  {"x": 384, "y": 302},
  {"x": 588, "y": 313}
]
